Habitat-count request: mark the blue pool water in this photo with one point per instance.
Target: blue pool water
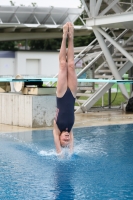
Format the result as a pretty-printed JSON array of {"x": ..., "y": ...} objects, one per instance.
[{"x": 101, "y": 167}]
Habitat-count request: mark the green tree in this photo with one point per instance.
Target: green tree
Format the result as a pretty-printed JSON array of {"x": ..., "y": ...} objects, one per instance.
[
  {"x": 83, "y": 40},
  {"x": 12, "y": 3},
  {"x": 80, "y": 4},
  {"x": 34, "y": 4},
  {"x": 47, "y": 44},
  {"x": 7, "y": 46}
]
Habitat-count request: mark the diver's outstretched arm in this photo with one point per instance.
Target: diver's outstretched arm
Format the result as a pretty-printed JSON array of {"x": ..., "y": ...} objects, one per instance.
[
  {"x": 71, "y": 142},
  {"x": 56, "y": 135}
]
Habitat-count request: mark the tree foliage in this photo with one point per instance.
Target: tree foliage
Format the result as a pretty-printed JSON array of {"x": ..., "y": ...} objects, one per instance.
[
  {"x": 12, "y": 3},
  {"x": 7, "y": 46},
  {"x": 47, "y": 44}
]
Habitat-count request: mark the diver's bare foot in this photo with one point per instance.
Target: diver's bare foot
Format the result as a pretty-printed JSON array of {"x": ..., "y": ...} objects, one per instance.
[
  {"x": 65, "y": 30},
  {"x": 71, "y": 30}
]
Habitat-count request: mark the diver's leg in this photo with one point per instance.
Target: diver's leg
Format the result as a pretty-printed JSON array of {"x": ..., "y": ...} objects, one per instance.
[
  {"x": 62, "y": 75},
  {"x": 72, "y": 77}
]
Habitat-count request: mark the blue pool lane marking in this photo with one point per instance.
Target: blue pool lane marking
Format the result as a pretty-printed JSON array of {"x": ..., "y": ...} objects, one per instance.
[{"x": 55, "y": 79}]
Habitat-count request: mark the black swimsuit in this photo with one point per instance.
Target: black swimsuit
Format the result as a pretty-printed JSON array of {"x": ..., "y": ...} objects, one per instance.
[{"x": 65, "y": 109}]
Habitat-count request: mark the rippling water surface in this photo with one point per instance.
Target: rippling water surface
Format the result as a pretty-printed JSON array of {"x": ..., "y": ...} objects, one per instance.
[{"x": 101, "y": 167}]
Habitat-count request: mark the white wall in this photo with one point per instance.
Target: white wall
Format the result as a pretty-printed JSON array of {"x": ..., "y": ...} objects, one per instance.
[
  {"x": 27, "y": 110},
  {"x": 7, "y": 66},
  {"x": 30, "y": 63},
  {"x": 36, "y": 63}
]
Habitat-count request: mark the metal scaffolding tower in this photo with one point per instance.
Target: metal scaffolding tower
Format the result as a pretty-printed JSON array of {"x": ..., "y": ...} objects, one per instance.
[{"x": 112, "y": 24}]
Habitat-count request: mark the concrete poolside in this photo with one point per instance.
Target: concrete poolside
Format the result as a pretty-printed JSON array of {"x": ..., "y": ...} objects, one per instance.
[
  {"x": 100, "y": 118},
  {"x": 92, "y": 118}
]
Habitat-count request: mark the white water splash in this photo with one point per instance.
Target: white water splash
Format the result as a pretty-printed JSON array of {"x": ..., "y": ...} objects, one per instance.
[
  {"x": 90, "y": 147},
  {"x": 47, "y": 153},
  {"x": 64, "y": 155}
]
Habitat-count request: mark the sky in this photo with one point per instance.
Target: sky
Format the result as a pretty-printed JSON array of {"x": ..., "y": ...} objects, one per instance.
[{"x": 44, "y": 3}]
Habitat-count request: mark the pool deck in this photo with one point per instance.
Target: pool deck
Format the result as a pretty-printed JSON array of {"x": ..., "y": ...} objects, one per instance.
[
  {"x": 100, "y": 118},
  {"x": 92, "y": 118}
]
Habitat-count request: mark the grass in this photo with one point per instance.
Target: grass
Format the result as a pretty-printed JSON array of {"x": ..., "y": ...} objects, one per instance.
[
  {"x": 116, "y": 97},
  {"x": 116, "y": 100}
]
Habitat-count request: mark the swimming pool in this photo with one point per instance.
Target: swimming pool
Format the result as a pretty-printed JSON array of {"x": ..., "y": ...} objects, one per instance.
[{"x": 101, "y": 167}]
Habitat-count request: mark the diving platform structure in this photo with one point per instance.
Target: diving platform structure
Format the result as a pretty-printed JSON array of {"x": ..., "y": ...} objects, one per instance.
[
  {"x": 110, "y": 55},
  {"x": 27, "y": 22}
]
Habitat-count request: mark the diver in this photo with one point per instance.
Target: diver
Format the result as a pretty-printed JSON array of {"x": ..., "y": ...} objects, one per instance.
[{"x": 66, "y": 92}]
